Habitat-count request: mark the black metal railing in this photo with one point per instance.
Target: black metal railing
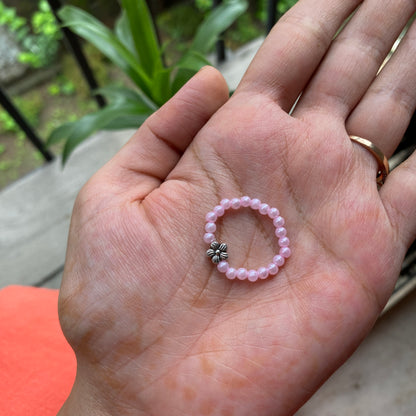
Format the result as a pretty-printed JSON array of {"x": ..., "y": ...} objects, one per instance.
[
  {"x": 24, "y": 125},
  {"x": 220, "y": 46},
  {"x": 74, "y": 46}
]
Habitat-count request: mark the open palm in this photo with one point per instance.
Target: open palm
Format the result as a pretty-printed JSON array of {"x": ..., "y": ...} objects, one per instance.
[{"x": 157, "y": 330}]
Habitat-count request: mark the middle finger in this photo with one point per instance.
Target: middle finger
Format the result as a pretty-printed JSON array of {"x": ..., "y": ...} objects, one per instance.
[{"x": 354, "y": 58}]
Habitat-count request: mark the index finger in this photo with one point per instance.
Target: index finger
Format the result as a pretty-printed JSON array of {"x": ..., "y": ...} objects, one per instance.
[{"x": 294, "y": 48}]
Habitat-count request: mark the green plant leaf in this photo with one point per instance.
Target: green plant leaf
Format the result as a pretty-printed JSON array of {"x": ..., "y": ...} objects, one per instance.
[
  {"x": 123, "y": 33},
  {"x": 44, "y": 6},
  {"x": 162, "y": 86},
  {"x": 102, "y": 119},
  {"x": 92, "y": 30},
  {"x": 182, "y": 76},
  {"x": 127, "y": 109},
  {"x": 60, "y": 133},
  {"x": 118, "y": 94},
  {"x": 127, "y": 121},
  {"x": 215, "y": 23},
  {"x": 193, "y": 60},
  {"x": 144, "y": 35}
]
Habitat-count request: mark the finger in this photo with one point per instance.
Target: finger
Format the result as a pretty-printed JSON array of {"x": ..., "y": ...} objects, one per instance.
[
  {"x": 399, "y": 198},
  {"x": 354, "y": 58},
  {"x": 295, "y": 47},
  {"x": 153, "y": 151},
  {"x": 384, "y": 113}
]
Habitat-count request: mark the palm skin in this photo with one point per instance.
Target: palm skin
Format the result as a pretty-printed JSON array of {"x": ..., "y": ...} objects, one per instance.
[{"x": 156, "y": 329}]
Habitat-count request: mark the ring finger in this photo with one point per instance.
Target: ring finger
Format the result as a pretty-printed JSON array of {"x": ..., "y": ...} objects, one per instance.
[{"x": 384, "y": 112}]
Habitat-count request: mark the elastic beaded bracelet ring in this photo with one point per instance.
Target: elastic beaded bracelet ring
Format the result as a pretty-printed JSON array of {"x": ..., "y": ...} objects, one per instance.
[{"x": 218, "y": 251}]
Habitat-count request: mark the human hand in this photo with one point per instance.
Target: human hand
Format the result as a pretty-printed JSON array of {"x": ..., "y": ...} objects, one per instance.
[{"x": 155, "y": 328}]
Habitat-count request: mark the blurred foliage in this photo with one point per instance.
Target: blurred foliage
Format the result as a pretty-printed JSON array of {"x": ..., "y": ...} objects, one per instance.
[
  {"x": 178, "y": 24},
  {"x": 260, "y": 6},
  {"x": 284, "y": 5},
  {"x": 181, "y": 21},
  {"x": 250, "y": 25},
  {"x": 134, "y": 47},
  {"x": 177, "y": 27},
  {"x": 38, "y": 38},
  {"x": 16, "y": 152},
  {"x": 72, "y": 73},
  {"x": 245, "y": 29},
  {"x": 204, "y": 5},
  {"x": 61, "y": 86},
  {"x": 30, "y": 105},
  {"x": 106, "y": 10}
]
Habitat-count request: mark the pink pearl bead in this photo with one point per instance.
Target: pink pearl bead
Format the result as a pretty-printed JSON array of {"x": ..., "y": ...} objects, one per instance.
[
  {"x": 280, "y": 232},
  {"x": 273, "y": 213},
  {"x": 285, "y": 252},
  {"x": 209, "y": 238},
  {"x": 255, "y": 203},
  {"x": 241, "y": 273},
  {"x": 225, "y": 203},
  {"x": 210, "y": 227},
  {"x": 219, "y": 210},
  {"x": 284, "y": 242},
  {"x": 222, "y": 266},
  {"x": 231, "y": 273},
  {"x": 245, "y": 201},
  {"x": 252, "y": 275},
  {"x": 273, "y": 269},
  {"x": 279, "y": 222},
  {"x": 264, "y": 209},
  {"x": 235, "y": 203},
  {"x": 263, "y": 273},
  {"x": 279, "y": 260},
  {"x": 211, "y": 217}
]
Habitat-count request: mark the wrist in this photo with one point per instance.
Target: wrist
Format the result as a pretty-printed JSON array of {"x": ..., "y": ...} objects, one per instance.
[{"x": 86, "y": 399}]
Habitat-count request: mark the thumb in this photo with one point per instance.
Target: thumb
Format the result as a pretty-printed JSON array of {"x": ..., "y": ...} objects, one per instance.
[{"x": 156, "y": 147}]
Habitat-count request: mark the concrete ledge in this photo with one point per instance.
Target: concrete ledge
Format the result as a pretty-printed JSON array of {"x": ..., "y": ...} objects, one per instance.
[
  {"x": 379, "y": 379},
  {"x": 35, "y": 211}
]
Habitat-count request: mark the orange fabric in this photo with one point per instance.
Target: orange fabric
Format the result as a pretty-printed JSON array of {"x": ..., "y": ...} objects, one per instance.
[{"x": 37, "y": 366}]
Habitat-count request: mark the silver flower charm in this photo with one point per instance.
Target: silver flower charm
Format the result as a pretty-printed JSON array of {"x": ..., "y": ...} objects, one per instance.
[{"x": 217, "y": 252}]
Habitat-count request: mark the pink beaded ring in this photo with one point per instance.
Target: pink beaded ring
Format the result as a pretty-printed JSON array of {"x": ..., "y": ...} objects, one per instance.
[{"x": 218, "y": 251}]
